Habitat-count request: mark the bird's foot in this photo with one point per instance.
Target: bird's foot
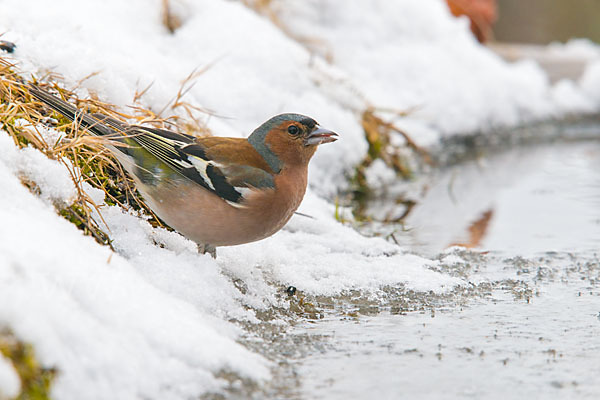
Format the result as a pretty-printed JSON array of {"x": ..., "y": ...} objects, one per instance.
[{"x": 207, "y": 248}]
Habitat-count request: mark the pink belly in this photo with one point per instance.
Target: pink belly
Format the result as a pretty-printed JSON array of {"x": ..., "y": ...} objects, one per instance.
[{"x": 205, "y": 218}]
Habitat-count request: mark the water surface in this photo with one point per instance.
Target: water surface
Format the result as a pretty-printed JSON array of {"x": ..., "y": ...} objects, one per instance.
[{"x": 529, "y": 328}]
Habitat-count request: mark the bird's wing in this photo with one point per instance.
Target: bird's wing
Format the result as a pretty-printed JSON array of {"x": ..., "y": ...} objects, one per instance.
[
  {"x": 227, "y": 167},
  {"x": 220, "y": 165}
]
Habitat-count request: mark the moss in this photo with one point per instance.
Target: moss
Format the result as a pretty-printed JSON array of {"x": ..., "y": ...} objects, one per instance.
[{"x": 36, "y": 380}]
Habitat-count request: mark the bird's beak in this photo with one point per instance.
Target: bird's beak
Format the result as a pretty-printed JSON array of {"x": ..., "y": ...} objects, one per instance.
[{"x": 320, "y": 136}]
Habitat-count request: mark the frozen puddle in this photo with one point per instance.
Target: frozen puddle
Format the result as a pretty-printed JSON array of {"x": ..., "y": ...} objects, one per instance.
[
  {"x": 525, "y": 201},
  {"x": 542, "y": 345},
  {"x": 529, "y": 327}
]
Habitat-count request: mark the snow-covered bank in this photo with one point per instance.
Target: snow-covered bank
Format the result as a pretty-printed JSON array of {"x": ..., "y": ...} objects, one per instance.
[
  {"x": 407, "y": 55},
  {"x": 151, "y": 321},
  {"x": 154, "y": 320},
  {"x": 110, "y": 332},
  {"x": 398, "y": 55}
]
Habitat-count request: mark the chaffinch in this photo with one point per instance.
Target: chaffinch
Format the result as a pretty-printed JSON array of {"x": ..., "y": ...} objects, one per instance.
[{"x": 215, "y": 191}]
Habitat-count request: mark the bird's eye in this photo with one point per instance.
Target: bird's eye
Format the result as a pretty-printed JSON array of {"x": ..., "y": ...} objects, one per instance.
[{"x": 293, "y": 130}]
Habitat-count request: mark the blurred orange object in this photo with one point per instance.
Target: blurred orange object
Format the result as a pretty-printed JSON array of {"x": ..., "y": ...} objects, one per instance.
[{"x": 482, "y": 13}]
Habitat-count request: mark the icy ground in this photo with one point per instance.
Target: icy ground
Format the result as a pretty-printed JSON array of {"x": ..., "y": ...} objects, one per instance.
[
  {"x": 155, "y": 319},
  {"x": 527, "y": 324},
  {"x": 534, "y": 335}
]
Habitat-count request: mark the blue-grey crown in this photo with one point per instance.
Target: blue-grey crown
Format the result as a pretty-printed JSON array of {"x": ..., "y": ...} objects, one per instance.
[{"x": 257, "y": 138}]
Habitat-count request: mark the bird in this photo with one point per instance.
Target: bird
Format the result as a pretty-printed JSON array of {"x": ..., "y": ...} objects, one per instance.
[{"x": 216, "y": 191}]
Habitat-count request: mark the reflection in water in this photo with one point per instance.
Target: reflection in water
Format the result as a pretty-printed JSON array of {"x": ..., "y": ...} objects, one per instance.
[{"x": 534, "y": 199}]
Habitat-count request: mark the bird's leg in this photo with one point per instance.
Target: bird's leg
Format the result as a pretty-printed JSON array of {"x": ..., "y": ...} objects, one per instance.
[{"x": 207, "y": 248}]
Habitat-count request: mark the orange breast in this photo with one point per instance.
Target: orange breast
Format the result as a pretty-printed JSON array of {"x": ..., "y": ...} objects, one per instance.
[{"x": 206, "y": 218}]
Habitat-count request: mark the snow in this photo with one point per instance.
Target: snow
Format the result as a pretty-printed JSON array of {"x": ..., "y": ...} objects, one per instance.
[
  {"x": 590, "y": 82},
  {"x": 575, "y": 48},
  {"x": 93, "y": 314},
  {"x": 570, "y": 98},
  {"x": 53, "y": 179},
  {"x": 9, "y": 380},
  {"x": 152, "y": 321},
  {"x": 155, "y": 319},
  {"x": 406, "y": 55},
  {"x": 379, "y": 175}
]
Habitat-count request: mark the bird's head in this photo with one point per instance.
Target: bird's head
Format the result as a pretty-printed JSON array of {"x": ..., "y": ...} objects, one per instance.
[{"x": 289, "y": 139}]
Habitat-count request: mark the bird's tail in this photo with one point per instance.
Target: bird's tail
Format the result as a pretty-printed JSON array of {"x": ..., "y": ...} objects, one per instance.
[{"x": 88, "y": 121}]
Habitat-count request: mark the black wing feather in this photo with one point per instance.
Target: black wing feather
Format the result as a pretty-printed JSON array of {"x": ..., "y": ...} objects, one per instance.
[{"x": 162, "y": 144}]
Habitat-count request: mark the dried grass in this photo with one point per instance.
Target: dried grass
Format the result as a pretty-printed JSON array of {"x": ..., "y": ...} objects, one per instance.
[
  {"x": 170, "y": 20},
  {"x": 84, "y": 155},
  {"x": 378, "y": 133}
]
